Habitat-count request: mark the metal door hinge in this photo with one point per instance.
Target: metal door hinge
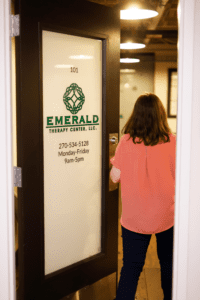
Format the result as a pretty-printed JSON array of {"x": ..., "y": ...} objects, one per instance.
[
  {"x": 17, "y": 176},
  {"x": 15, "y": 26}
]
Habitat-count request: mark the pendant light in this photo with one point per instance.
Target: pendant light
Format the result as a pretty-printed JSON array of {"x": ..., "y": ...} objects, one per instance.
[
  {"x": 129, "y": 42},
  {"x": 131, "y": 45},
  {"x": 127, "y": 71},
  {"x": 129, "y": 60},
  {"x": 136, "y": 10}
]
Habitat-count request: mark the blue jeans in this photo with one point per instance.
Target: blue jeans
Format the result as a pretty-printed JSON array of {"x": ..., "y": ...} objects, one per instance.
[{"x": 134, "y": 253}]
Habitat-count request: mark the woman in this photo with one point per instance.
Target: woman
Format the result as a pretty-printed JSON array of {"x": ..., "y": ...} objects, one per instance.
[{"x": 144, "y": 163}]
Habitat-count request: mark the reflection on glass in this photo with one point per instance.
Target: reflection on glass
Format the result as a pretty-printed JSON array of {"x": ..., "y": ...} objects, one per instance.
[
  {"x": 81, "y": 57},
  {"x": 63, "y": 66}
]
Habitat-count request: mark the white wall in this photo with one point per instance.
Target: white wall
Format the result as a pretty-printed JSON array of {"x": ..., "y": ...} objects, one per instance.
[
  {"x": 161, "y": 86},
  {"x": 133, "y": 85},
  {"x": 186, "y": 273},
  {"x": 148, "y": 77},
  {"x": 7, "y": 257}
]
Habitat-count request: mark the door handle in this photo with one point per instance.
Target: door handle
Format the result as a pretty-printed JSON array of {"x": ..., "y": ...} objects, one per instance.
[{"x": 113, "y": 142}]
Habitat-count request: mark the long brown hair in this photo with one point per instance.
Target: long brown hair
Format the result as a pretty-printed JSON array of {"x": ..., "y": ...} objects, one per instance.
[{"x": 148, "y": 121}]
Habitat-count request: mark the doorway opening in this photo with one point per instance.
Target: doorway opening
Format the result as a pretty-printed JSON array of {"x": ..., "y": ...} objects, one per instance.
[{"x": 156, "y": 72}]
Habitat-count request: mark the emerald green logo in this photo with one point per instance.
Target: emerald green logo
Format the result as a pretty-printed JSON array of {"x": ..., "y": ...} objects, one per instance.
[{"x": 74, "y": 98}]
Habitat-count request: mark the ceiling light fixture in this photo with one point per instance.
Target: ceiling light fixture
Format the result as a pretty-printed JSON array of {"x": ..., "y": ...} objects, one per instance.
[
  {"x": 127, "y": 85},
  {"x": 129, "y": 41},
  {"x": 127, "y": 71},
  {"x": 131, "y": 10},
  {"x": 129, "y": 60},
  {"x": 132, "y": 46}
]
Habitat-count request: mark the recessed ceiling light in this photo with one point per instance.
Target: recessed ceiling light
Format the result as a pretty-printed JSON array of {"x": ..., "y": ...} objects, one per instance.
[
  {"x": 129, "y": 60},
  {"x": 127, "y": 85}
]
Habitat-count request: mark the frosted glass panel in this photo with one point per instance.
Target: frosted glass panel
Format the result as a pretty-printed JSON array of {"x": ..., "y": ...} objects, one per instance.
[{"x": 72, "y": 130}]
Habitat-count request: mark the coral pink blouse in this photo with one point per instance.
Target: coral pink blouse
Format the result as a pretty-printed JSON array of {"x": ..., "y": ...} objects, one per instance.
[{"x": 147, "y": 184}]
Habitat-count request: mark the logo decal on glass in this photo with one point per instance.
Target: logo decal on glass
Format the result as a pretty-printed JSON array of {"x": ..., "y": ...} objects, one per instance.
[{"x": 74, "y": 98}]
